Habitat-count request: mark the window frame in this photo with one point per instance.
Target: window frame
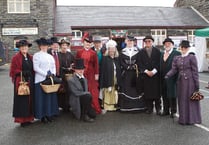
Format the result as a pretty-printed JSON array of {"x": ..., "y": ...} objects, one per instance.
[
  {"x": 159, "y": 35},
  {"x": 14, "y": 4}
]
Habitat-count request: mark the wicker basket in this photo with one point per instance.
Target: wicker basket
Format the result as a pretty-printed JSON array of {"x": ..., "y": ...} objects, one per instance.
[{"x": 50, "y": 88}]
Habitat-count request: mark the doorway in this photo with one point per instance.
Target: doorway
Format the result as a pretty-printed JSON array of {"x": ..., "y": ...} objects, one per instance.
[{"x": 120, "y": 43}]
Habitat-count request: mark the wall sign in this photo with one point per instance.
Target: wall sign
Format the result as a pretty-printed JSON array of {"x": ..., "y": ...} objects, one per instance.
[{"x": 19, "y": 31}]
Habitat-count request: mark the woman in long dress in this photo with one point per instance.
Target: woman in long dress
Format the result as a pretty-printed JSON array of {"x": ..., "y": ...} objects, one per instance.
[
  {"x": 22, "y": 63},
  {"x": 110, "y": 76},
  {"x": 129, "y": 98},
  {"x": 188, "y": 82},
  {"x": 46, "y": 105},
  {"x": 66, "y": 60},
  {"x": 91, "y": 71}
]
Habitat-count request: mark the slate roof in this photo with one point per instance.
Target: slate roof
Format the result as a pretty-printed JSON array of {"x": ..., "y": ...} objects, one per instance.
[{"x": 78, "y": 17}]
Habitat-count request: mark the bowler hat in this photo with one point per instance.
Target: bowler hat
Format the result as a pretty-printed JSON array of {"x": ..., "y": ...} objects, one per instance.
[
  {"x": 23, "y": 43},
  {"x": 97, "y": 39},
  {"x": 43, "y": 41},
  {"x": 129, "y": 37},
  {"x": 168, "y": 40},
  {"x": 79, "y": 64},
  {"x": 148, "y": 37},
  {"x": 54, "y": 40},
  {"x": 184, "y": 43},
  {"x": 64, "y": 40}
]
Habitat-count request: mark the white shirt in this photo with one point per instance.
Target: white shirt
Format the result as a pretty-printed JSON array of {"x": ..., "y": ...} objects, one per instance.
[
  {"x": 42, "y": 63},
  {"x": 79, "y": 76},
  {"x": 169, "y": 51}
]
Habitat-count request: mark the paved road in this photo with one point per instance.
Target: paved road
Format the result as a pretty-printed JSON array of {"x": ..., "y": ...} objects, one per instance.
[{"x": 113, "y": 128}]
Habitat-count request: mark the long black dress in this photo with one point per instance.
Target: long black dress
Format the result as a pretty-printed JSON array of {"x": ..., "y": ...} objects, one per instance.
[
  {"x": 130, "y": 98},
  {"x": 65, "y": 60}
]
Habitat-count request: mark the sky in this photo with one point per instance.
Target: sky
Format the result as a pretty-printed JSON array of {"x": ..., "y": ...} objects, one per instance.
[{"x": 164, "y": 3}]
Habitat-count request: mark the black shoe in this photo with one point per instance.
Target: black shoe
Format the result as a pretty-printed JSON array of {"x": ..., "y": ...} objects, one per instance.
[
  {"x": 164, "y": 113},
  {"x": 148, "y": 112},
  {"x": 44, "y": 120},
  {"x": 158, "y": 112},
  {"x": 172, "y": 115},
  {"x": 49, "y": 119},
  {"x": 25, "y": 124},
  {"x": 88, "y": 119}
]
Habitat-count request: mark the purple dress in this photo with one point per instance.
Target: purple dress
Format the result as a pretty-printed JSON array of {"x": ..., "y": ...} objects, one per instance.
[{"x": 187, "y": 83}]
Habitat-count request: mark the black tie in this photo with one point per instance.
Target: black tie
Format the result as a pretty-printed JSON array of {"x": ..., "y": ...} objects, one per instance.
[{"x": 82, "y": 83}]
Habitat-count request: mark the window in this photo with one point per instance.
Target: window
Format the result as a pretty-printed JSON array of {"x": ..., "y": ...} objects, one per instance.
[
  {"x": 159, "y": 35},
  {"x": 76, "y": 33},
  {"x": 191, "y": 36},
  {"x": 18, "y": 6}
]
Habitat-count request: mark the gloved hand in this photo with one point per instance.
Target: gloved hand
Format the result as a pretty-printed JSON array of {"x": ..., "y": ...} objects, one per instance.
[
  {"x": 109, "y": 89},
  {"x": 49, "y": 74}
]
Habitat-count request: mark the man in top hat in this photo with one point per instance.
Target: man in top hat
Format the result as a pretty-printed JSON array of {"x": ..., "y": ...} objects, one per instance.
[
  {"x": 149, "y": 66},
  {"x": 168, "y": 87},
  {"x": 91, "y": 71},
  {"x": 80, "y": 97},
  {"x": 53, "y": 50}
]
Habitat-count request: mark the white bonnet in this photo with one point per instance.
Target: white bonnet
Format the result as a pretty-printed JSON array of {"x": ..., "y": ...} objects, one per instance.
[{"x": 111, "y": 43}]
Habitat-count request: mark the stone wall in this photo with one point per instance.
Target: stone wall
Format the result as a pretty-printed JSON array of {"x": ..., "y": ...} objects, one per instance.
[
  {"x": 201, "y": 5},
  {"x": 41, "y": 16}
]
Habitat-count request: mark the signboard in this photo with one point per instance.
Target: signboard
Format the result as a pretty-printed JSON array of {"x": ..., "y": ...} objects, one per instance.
[
  {"x": 19, "y": 31},
  {"x": 119, "y": 33}
]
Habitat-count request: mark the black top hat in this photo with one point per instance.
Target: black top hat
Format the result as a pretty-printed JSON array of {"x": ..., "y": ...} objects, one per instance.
[
  {"x": 184, "y": 43},
  {"x": 43, "y": 41},
  {"x": 23, "y": 43},
  {"x": 54, "y": 40},
  {"x": 129, "y": 37},
  {"x": 79, "y": 64},
  {"x": 148, "y": 37},
  {"x": 168, "y": 40}
]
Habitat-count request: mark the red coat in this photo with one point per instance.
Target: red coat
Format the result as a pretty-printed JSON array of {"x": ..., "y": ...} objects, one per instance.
[
  {"x": 16, "y": 68},
  {"x": 91, "y": 69},
  {"x": 22, "y": 106}
]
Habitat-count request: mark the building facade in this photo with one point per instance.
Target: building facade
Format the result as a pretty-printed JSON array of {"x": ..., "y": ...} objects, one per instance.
[
  {"x": 115, "y": 22},
  {"x": 32, "y": 19},
  {"x": 29, "y": 19},
  {"x": 201, "y": 5}
]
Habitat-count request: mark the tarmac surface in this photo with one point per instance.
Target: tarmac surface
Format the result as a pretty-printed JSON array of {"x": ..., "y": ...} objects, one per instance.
[{"x": 112, "y": 128}]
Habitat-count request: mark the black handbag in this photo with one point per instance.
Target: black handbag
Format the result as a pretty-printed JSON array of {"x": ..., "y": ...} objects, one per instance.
[
  {"x": 48, "y": 81},
  {"x": 197, "y": 96}
]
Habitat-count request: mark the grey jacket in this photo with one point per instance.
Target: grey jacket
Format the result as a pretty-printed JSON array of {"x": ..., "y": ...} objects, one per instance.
[{"x": 76, "y": 90}]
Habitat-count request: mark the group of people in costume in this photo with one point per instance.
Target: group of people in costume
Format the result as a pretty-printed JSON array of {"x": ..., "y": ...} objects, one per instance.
[{"x": 98, "y": 79}]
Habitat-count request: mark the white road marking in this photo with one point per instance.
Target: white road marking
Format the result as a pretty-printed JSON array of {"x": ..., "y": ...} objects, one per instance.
[
  {"x": 198, "y": 125},
  {"x": 201, "y": 81},
  {"x": 201, "y": 90}
]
